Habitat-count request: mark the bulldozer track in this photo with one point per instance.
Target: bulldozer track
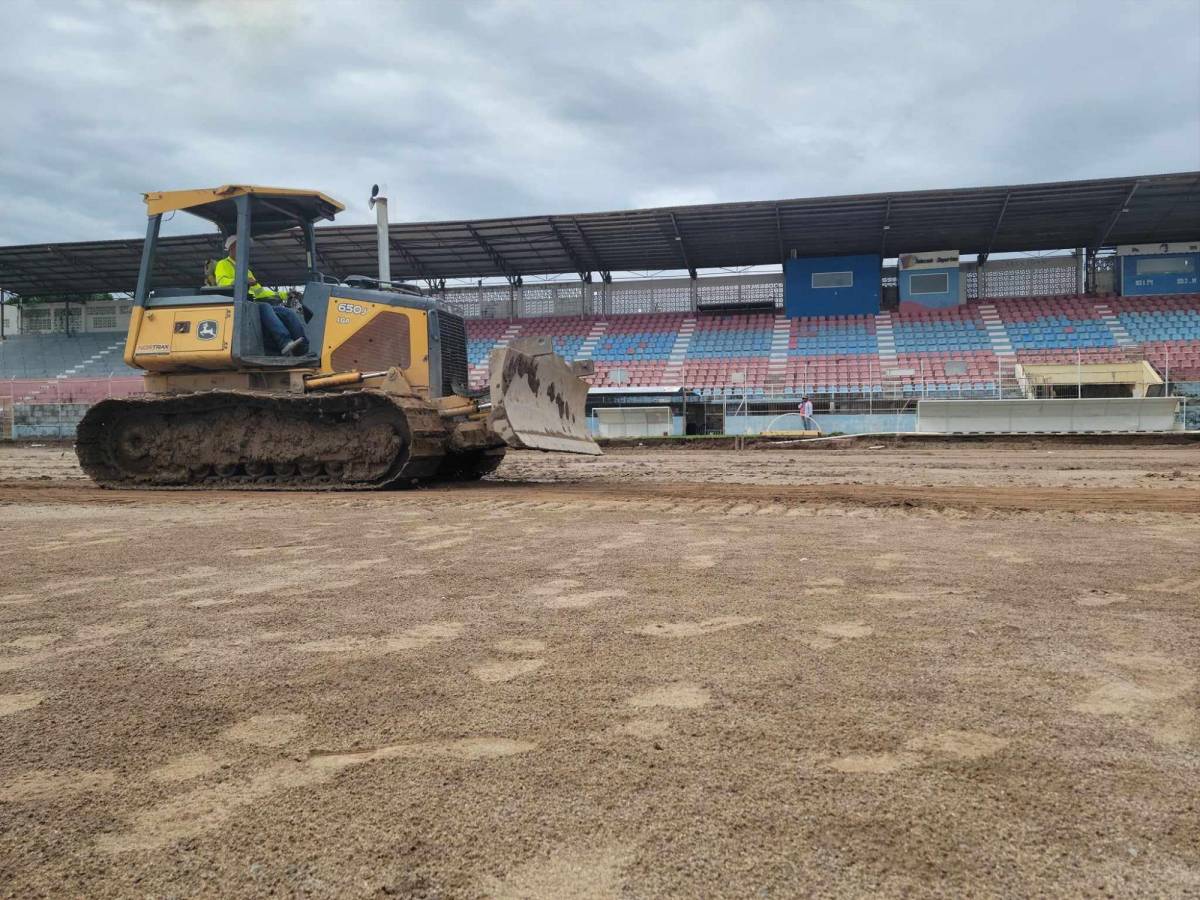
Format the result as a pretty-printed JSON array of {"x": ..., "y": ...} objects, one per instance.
[{"x": 244, "y": 440}]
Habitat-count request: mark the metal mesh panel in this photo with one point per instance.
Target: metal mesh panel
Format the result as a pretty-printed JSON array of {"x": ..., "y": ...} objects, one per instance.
[
  {"x": 61, "y": 318},
  {"x": 626, "y": 300},
  {"x": 103, "y": 322},
  {"x": 536, "y": 300},
  {"x": 464, "y": 302},
  {"x": 1022, "y": 277},
  {"x": 454, "y": 352},
  {"x": 646, "y": 297},
  {"x": 568, "y": 299},
  {"x": 680, "y": 294},
  {"x": 491, "y": 301},
  {"x": 763, "y": 291},
  {"x": 35, "y": 321},
  {"x": 718, "y": 293}
]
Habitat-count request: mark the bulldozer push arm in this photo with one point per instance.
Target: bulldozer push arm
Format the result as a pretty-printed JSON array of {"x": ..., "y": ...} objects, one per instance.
[{"x": 537, "y": 400}]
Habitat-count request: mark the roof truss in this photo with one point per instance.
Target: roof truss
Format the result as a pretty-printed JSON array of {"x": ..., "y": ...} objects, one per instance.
[{"x": 983, "y": 220}]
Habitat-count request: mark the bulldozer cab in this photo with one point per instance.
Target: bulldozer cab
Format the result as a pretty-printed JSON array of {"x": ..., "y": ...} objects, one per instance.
[{"x": 206, "y": 326}]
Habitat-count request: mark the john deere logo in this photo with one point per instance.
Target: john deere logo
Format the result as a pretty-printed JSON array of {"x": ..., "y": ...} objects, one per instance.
[{"x": 207, "y": 330}]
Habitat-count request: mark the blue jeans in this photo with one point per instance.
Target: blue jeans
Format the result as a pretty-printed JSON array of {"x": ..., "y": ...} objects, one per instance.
[{"x": 280, "y": 324}]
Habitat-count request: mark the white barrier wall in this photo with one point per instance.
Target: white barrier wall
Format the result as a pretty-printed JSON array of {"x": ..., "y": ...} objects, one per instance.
[
  {"x": 634, "y": 421},
  {"x": 1121, "y": 414}
]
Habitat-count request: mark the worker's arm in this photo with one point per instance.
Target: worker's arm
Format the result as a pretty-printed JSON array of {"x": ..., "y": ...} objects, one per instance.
[{"x": 258, "y": 292}]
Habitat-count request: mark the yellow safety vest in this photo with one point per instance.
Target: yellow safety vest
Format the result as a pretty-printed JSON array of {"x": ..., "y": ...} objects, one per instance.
[{"x": 225, "y": 272}]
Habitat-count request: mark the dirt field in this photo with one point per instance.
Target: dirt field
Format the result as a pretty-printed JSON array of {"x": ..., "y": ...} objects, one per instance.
[{"x": 911, "y": 671}]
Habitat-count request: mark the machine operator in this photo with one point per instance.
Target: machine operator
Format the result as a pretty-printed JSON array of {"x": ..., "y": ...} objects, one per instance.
[{"x": 283, "y": 329}]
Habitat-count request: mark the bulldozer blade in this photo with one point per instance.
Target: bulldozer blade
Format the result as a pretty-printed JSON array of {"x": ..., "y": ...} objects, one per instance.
[{"x": 538, "y": 403}]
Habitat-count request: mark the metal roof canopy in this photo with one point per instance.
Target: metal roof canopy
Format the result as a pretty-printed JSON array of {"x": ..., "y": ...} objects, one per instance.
[
  {"x": 274, "y": 209},
  {"x": 984, "y": 220}
]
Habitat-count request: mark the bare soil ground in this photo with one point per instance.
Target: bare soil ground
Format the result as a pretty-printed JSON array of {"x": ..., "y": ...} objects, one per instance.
[{"x": 932, "y": 672}]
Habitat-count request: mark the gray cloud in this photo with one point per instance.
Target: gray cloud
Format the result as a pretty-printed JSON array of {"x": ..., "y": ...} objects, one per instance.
[{"x": 504, "y": 108}]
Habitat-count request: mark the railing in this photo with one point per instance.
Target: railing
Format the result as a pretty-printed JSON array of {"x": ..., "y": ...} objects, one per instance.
[{"x": 676, "y": 293}]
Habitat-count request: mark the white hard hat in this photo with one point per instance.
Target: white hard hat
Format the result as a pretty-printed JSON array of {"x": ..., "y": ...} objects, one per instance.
[{"x": 229, "y": 240}]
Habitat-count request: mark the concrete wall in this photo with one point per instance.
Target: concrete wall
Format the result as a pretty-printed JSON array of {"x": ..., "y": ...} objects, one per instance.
[
  {"x": 1046, "y": 416},
  {"x": 46, "y": 420},
  {"x": 1135, "y": 283},
  {"x": 830, "y": 423},
  {"x": 800, "y": 298},
  {"x": 952, "y": 296},
  {"x": 108, "y": 316},
  {"x": 850, "y": 423},
  {"x": 596, "y": 429}
]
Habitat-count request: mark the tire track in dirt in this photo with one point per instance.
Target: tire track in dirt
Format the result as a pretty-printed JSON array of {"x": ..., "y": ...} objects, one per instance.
[{"x": 686, "y": 497}]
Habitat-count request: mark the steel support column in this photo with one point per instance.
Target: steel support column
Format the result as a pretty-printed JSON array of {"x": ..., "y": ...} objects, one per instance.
[
  {"x": 983, "y": 257},
  {"x": 146, "y": 266},
  {"x": 682, "y": 247},
  {"x": 605, "y": 300},
  {"x": 241, "y": 280},
  {"x": 693, "y": 294},
  {"x": 1116, "y": 215},
  {"x": 779, "y": 235},
  {"x": 885, "y": 227},
  {"x": 584, "y": 272},
  {"x": 597, "y": 263}
]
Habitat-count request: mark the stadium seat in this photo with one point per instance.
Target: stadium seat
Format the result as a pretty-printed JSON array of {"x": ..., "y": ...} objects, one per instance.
[{"x": 947, "y": 350}]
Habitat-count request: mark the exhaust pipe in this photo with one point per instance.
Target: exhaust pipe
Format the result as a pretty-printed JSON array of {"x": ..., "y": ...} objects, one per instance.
[{"x": 384, "y": 246}]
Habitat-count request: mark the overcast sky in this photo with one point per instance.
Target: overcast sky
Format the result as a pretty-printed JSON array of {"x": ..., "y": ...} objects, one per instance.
[{"x": 506, "y": 108}]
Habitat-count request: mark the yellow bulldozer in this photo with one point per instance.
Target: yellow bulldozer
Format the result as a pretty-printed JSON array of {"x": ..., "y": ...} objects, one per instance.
[{"x": 379, "y": 398}]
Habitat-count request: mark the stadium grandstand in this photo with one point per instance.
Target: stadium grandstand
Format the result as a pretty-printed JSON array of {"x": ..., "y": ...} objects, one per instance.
[{"x": 848, "y": 300}]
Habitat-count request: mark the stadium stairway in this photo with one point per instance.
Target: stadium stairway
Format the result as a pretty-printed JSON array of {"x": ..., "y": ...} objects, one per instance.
[
  {"x": 1120, "y": 335},
  {"x": 61, "y": 355},
  {"x": 777, "y": 361},
  {"x": 1166, "y": 330},
  {"x": 994, "y": 325},
  {"x": 80, "y": 368},
  {"x": 886, "y": 340},
  {"x": 679, "y": 350},
  {"x": 595, "y": 333},
  {"x": 484, "y": 335}
]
